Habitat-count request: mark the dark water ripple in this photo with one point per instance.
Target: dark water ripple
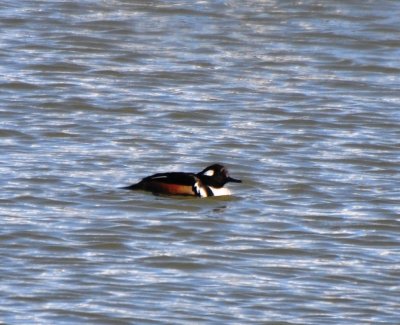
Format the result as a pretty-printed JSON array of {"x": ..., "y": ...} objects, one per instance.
[{"x": 298, "y": 99}]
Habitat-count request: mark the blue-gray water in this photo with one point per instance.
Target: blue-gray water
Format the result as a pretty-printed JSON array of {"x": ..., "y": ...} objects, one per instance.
[{"x": 299, "y": 99}]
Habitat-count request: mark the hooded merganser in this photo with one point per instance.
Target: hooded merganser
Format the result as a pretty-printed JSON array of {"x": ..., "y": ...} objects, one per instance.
[{"x": 209, "y": 182}]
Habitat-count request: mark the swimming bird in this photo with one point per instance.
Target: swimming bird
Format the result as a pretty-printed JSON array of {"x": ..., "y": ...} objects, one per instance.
[{"x": 209, "y": 182}]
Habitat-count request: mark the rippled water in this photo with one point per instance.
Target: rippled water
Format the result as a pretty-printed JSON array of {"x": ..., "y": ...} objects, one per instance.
[{"x": 298, "y": 99}]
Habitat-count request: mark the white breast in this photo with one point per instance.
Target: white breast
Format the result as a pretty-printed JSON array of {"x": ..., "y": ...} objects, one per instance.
[{"x": 220, "y": 191}]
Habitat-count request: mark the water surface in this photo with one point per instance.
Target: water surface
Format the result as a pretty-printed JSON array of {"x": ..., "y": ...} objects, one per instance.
[{"x": 298, "y": 99}]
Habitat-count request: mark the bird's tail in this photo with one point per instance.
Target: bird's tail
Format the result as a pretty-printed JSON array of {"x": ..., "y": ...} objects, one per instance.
[{"x": 137, "y": 186}]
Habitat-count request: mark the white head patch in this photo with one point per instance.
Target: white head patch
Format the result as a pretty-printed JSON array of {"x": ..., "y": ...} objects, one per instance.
[{"x": 209, "y": 172}]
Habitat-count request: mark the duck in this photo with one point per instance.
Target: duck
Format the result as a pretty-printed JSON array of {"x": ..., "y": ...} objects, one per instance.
[{"x": 209, "y": 182}]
